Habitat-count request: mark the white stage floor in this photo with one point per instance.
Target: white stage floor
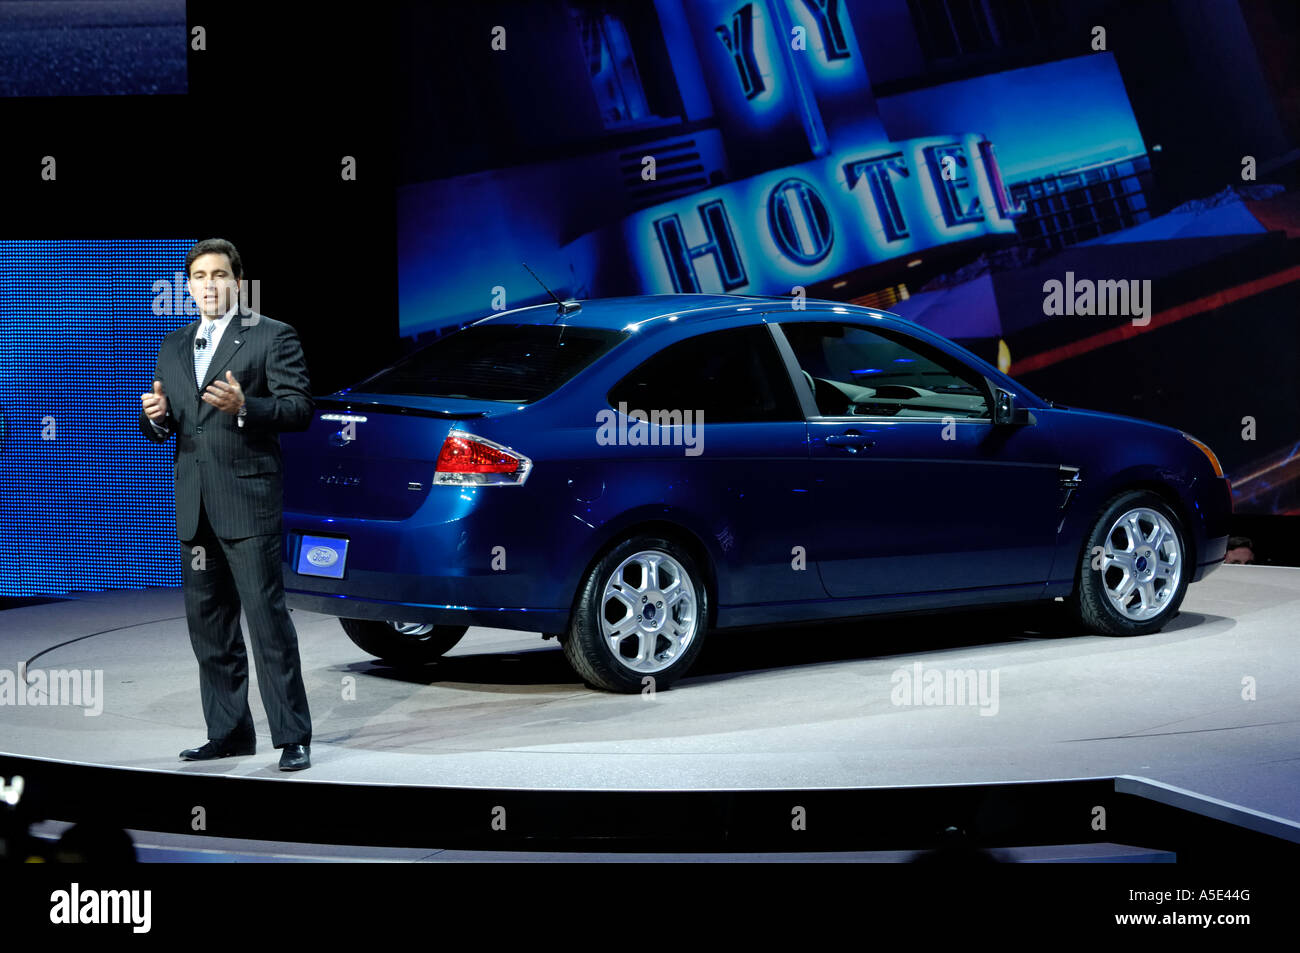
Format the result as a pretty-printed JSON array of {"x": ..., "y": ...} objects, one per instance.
[{"x": 785, "y": 708}]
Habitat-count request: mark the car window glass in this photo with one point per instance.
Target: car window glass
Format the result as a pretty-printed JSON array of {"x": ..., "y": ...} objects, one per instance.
[
  {"x": 858, "y": 371},
  {"x": 517, "y": 364},
  {"x": 727, "y": 376}
]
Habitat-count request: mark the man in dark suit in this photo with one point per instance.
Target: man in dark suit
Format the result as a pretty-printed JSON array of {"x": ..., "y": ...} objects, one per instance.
[{"x": 225, "y": 385}]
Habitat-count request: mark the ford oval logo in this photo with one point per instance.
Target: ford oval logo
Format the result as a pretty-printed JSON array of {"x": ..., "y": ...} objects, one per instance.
[{"x": 322, "y": 556}]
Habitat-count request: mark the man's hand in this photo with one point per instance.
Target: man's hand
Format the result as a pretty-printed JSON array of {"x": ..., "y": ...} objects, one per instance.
[
  {"x": 227, "y": 396},
  {"x": 155, "y": 404}
]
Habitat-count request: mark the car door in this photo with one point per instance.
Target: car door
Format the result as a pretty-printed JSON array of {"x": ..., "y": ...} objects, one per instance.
[
  {"x": 916, "y": 490},
  {"x": 745, "y": 484}
]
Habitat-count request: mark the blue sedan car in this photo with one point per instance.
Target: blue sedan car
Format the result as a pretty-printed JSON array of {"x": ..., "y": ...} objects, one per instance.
[{"x": 629, "y": 474}]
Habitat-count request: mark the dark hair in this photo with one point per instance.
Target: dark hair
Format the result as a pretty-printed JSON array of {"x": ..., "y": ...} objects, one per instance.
[
  {"x": 221, "y": 247},
  {"x": 1236, "y": 542}
]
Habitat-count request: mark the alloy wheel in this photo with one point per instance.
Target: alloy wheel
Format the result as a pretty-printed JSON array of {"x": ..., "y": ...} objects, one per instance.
[
  {"x": 648, "y": 612},
  {"x": 1141, "y": 564}
]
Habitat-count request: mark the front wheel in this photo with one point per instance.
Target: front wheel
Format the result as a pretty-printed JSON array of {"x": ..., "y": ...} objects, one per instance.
[
  {"x": 403, "y": 643},
  {"x": 1134, "y": 571},
  {"x": 640, "y": 617}
]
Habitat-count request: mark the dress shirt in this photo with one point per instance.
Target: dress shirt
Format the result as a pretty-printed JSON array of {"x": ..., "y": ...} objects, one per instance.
[{"x": 219, "y": 327}]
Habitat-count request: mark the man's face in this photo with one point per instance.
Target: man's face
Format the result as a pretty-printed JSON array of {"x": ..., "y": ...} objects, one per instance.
[
  {"x": 1242, "y": 555},
  {"x": 212, "y": 284}
]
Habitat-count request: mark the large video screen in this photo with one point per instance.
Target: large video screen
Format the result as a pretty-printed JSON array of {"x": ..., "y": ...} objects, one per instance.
[{"x": 779, "y": 147}]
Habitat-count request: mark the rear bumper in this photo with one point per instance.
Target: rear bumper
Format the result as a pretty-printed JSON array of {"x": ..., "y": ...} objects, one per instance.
[
  {"x": 424, "y": 570},
  {"x": 353, "y": 607}
]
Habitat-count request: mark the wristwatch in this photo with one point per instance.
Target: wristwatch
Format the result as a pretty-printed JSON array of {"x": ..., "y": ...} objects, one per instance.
[{"x": 243, "y": 412}]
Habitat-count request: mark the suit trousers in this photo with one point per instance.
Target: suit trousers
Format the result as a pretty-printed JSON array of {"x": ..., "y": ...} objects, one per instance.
[{"x": 243, "y": 573}]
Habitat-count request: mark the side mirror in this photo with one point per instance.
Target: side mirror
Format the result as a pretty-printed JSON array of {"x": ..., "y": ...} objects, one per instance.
[{"x": 1005, "y": 411}]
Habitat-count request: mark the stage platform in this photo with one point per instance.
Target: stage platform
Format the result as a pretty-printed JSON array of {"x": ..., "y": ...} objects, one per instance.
[{"x": 1208, "y": 705}]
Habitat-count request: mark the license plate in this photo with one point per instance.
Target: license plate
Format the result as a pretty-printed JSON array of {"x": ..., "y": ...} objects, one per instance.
[{"x": 322, "y": 556}]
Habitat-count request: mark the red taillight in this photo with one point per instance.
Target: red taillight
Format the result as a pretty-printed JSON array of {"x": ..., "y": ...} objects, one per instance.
[
  {"x": 467, "y": 460},
  {"x": 464, "y": 455}
]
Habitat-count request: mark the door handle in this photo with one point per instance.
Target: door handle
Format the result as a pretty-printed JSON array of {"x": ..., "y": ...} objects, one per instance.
[{"x": 850, "y": 441}]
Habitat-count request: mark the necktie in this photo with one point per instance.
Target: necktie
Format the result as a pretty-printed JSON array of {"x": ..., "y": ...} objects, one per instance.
[{"x": 203, "y": 355}]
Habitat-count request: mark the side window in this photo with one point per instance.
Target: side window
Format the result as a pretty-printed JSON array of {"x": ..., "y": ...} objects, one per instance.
[
  {"x": 728, "y": 376},
  {"x": 863, "y": 371}
]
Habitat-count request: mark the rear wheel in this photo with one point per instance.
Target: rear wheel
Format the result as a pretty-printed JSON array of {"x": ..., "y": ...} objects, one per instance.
[
  {"x": 641, "y": 617},
  {"x": 403, "y": 643},
  {"x": 1134, "y": 571}
]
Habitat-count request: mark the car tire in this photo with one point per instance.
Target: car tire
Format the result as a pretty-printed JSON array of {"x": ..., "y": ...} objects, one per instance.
[
  {"x": 1131, "y": 581},
  {"x": 388, "y": 644},
  {"x": 621, "y": 579}
]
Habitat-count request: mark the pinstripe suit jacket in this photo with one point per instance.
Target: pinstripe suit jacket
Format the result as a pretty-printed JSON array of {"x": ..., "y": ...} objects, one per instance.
[{"x": 235, "y": 470}]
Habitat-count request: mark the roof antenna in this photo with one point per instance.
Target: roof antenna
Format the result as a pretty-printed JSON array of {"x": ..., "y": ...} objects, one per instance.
[{"x": 563, "y": 308}]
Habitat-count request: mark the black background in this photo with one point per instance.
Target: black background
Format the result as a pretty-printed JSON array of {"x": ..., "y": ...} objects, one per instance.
[{"x": 252, "y": 154}]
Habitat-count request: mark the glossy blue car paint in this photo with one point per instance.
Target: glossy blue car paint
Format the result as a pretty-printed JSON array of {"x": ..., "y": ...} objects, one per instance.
[{"x": 909, "y": 523}]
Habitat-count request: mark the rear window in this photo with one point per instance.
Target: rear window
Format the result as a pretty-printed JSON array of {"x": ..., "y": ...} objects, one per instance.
[{"x": 514, "y": 363}]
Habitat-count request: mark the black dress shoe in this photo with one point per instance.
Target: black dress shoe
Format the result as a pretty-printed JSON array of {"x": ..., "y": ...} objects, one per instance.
[
  {"x": 214, "y": 749},
  {"x": 295, "y": 757}
]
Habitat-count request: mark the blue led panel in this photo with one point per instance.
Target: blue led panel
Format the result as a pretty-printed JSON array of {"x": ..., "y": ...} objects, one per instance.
[{"x": 86, "y": 502}]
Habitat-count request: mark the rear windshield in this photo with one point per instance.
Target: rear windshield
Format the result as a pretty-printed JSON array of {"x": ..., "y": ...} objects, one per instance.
[{"x": 514, "y": 363}]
